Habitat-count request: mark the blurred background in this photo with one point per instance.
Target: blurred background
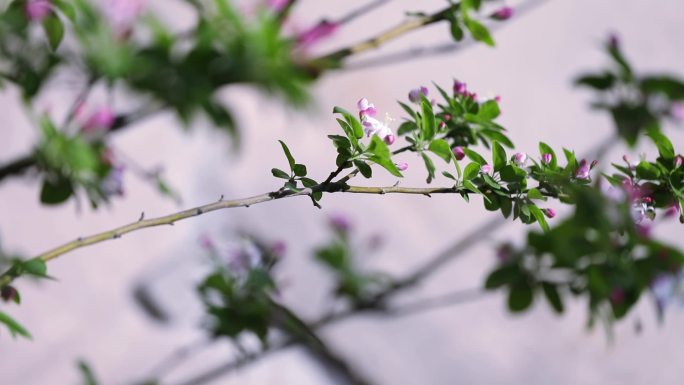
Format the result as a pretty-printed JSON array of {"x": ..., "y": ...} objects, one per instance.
[{"x": 90, "y": 312}]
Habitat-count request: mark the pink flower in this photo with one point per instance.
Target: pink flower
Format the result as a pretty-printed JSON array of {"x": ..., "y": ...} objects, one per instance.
[
  {"x": 582, "y": 171},
  {"x": 402, "y": 166},
  {"x": 101, "y": 120},
  {"x": 277, "y": 5},
  {"x": 8, "y": 293},
  {"x": 547, "y": 158},
  {"x": 460, "y": 88},
  {"x": 415, "y": 94},
  {"x": 672, "y": 211},
  {"x": 279, "y": 248},
  {"x": 679, "y": 160},
  {"x": 122, "y": 14},
  {"x": 502, "y": 14},
  {"x": 366, "y": 108},
  {"x": 37, "y": 10},
  {"x": 677, "y": 110},
  {"x": 340, "y": 223},
  {"x": 520, "y": 159},
  {"x": 550, "y": 213},
  {"x": 316, "y": 33},
  {"x": 459, "y": 153},
  {"x": 372, "y": 126},
  {"x": 486, "y": 169}
]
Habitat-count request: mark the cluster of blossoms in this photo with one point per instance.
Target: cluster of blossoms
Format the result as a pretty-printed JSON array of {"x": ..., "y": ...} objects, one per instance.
[{"x": 372, "y": 126}]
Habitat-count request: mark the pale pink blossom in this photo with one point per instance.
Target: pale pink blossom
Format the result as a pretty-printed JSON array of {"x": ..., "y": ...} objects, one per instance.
[{"x": 37, "y": 10}]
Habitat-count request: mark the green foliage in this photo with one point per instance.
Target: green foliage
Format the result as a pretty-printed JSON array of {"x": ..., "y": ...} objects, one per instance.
[{"x": 637, "y": 103}]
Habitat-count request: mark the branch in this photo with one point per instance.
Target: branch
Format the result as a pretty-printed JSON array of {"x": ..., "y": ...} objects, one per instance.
[{"x": 391, "y": 34}]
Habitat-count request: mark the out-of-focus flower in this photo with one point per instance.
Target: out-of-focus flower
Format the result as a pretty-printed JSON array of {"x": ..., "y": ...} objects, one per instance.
[
  {"x": 8, "y": 293},
  {"x": 617, "y": 296},
  {"x": 460, "y": 88},
  {"x": 415, "y": 94},
  {"x": 100, "y": 121},
  {"x": 486, "y": 169},
  {"x": 207, "y": 243},
  {"x": 277, "y": 5},
  {"x": 279, "y": 248},
  {"x": 672, "y": 211},
  {"x": 122, "y": 14},
  {"x": 547, "y": 158},
  {"x": 677, "y": 110},
  {"x": 520, "y": 159},
  {"x": 402, "y": 166},
  {"x": 340, "y": 223},
  {"x": 668, "y": 287},
  {"x": 366, "y": 108},
  {"x": 113, "y": 183},
  {"x": 582, "y": 171},
  {"x": 614, "y": 41},
  {"x": 644, "y": 230},
  {"x": 505, "y": 252},
  {"x": 549, "y": 212},
  {"x": 459, "y": 153},
  {"x": 37, "y": 10},
  {"x": 316, "y": 33},
  {"x": 503, "y": 13}
]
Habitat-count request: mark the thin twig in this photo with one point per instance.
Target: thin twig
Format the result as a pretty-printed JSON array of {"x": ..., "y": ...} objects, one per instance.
[{"x": 441, "y": 49}]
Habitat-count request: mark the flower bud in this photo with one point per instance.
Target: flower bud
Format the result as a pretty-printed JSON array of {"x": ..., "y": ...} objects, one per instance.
[
  {"x": 416, "y": 94},
  {"x": 550, "y": 213},
  {"x": 613, "y": 41},
  {"x": 678, "y": 161},
  {"x": 9, "y": 293},
  {"x": 101, "y": 120},
  {"x": 279, "y": 248},
  {"x": 459, "y": 153},
  {"x": 647, "y": 200},
  {"x": 502, "y": 14},
  {"x": 486, "y": 169},
  {"x": 37, "y": 10},
  {"x": 520, "y": 159},
  {"x": 340, "y": 223},
  {"x": 389, "y": 139},
  {"x": 402, "y": 166},
  {"x": 459, "y": 88},
  {"x": 582, "y": 171},
  {"x": 547, "y": 158},
  {"x": 617, "y": 296},
  {"x": 442, "y": 125}
]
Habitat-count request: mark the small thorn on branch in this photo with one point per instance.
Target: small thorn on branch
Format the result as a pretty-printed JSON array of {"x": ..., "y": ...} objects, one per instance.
[
  {"x": 428, "y": 195},
  {"x": 199, "y": 211},
  {"x": 142, "y": 216},
  {"x": 221, "y": 198},
  {"x": 117, "y": 236},
  {"x": 79, "y": 239}
]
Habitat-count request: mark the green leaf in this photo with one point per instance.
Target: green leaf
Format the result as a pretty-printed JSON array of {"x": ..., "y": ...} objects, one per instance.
[
  {"x": 288, "y": 154},
  {"x": 308, "y": 182},
  {"x": 520, "y": 297},
  {"x": 87, "y": 373},
  {"x": 364, "y": 168},
  {"x": 503, "y": 276},
  {"x": 54, "y": 29},
  {"x": 538, "y": 214},
  {"x": 428, "y": 119},
  {"x": 382, "y": 156},
  {"x": 66, "y": 8},
  {"x": 497, "y": 136},
  {"x": 471, "y": 171},
  {"x": 551, "y": 293},
  {"x": 354, "y": 123},
  {"x": 474, "y": 156},
  {"x": 456, "y": 30},
  {"x": 646, "y": 170},
  {"x": 13, "y": 326},
  {"x": 665, "y": 148},
  {"x": 278, "y": 173},
  {"x": 479, "y": 32},
  {"x": 499, "y": 156},
  {"x": 441, "y": 148},
  {"x": 430, "y": 166},
  {"x": 600, "y": 82},
  {"x": 299, "y": 169},
  {"x": 56, "y": 192},
  {"x": 489, "y": 110},
  {"x": 409, "y": 110},
  {"x": 535, "y": 194}
]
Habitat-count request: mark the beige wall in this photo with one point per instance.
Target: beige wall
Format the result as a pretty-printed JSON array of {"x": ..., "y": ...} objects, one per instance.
[{"x": 89, "y": 313}]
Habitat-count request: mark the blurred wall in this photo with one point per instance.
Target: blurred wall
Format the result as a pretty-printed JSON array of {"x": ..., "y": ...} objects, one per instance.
[{"x": 89, "y": 313}]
